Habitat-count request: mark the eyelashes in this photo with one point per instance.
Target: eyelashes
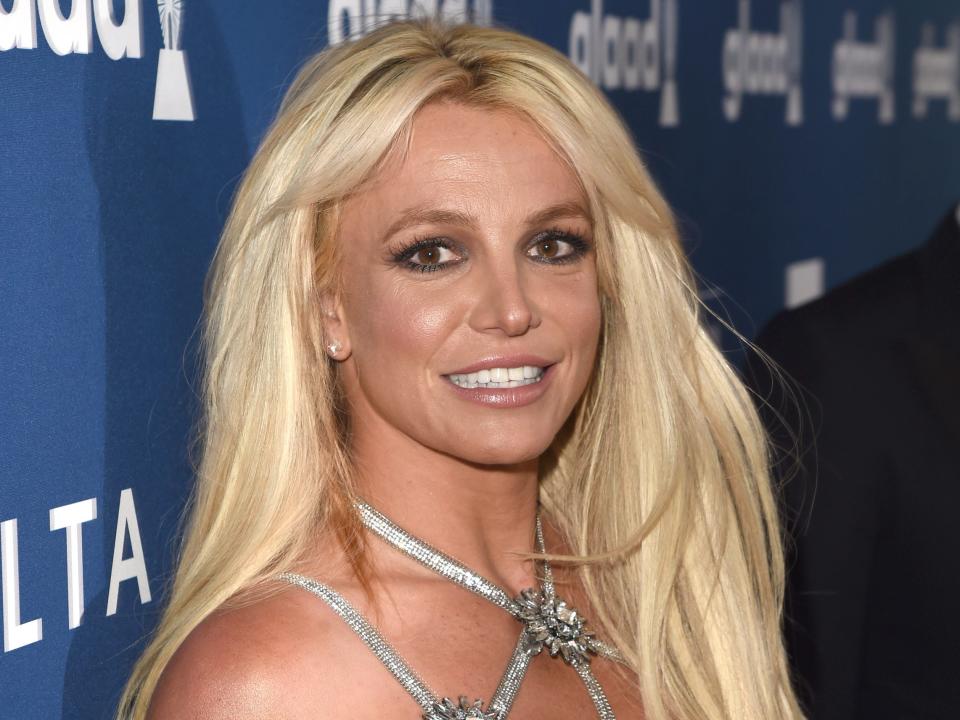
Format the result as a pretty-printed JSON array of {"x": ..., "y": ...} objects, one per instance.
[
  {"x": 573, "y": 246},
  {"x": 404, "y": 256}
]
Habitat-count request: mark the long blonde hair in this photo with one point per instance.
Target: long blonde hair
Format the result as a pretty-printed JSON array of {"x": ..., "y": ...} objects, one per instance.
[{"x": 659, "y": 478}]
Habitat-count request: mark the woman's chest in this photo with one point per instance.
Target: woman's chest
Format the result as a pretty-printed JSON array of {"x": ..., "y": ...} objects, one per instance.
[
  {"x": 437, "y": 641},
  {"x": 475, "y": 655}
]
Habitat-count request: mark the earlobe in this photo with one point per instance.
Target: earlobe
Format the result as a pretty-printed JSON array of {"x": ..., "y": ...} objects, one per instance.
[{"x": 335, "y": 336}]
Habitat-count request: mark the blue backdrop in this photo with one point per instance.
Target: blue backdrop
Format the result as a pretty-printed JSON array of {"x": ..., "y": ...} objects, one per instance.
[{"x": 800, "y": 143}]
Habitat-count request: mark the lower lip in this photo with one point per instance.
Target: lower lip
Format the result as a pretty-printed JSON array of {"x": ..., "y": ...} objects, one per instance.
[{"x": 505, "y": 397}]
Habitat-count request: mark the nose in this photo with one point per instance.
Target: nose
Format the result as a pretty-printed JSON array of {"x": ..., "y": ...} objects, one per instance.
[{"x": 502, "y": 301}]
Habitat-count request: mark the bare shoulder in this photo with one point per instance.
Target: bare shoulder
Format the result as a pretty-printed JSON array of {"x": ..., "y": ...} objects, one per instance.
[{"x": 285, "y": 657}]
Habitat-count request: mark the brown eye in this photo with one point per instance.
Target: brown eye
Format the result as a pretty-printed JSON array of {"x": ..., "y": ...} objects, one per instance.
[
  {"x": 428, "y": 256},
  {"x": 548, "y": 248},
  {"x": 556, "y": 247}
]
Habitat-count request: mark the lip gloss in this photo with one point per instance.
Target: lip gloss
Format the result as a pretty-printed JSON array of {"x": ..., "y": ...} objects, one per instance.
[{"x": 505, "y": 397}]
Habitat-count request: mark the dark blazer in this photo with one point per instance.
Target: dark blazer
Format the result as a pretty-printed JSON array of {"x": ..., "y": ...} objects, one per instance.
[{"x": 874, "y": 512}]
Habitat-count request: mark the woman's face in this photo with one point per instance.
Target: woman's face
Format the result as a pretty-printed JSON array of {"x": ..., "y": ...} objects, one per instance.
[{"x": 469, "y": 261}]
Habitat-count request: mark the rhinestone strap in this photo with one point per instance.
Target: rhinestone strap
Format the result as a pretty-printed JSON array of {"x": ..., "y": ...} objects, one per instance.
[
  {"x": 540, "y": 611},
  {"x": 600, "y": 702},
  {"x": 385, "y": 653},
  {"x": 435, "y": 560},
  {"x": 549, "y": 590},
  {"x": 593, "y": 687},
  {"x": 433, "y": 708},
  {"x": 509, "y": 686},
  {"x": 598, "y": 646},
  {"x": 605, "y": 650},
  {"x": 442, "y": 564}
]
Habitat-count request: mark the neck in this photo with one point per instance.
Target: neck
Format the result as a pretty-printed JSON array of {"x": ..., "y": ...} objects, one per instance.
[{"x": 479, "y": 514}]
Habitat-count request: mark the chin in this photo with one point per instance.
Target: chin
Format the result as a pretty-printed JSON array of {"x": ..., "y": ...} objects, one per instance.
[{"x": 510, "y": 452}]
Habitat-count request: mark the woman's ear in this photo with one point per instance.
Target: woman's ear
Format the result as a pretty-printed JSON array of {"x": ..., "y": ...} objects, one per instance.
[{"x": 336, "y": 338}]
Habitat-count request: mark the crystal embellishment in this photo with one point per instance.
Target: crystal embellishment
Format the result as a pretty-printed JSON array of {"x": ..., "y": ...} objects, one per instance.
[
  {"x": 463, "y": 710},
  {"x": 552, "y": 624},
  {"x": 547, "y": 622}
]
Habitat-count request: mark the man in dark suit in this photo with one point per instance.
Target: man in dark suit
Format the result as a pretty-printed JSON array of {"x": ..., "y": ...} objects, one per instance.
[{"x": 873, "y": 508}]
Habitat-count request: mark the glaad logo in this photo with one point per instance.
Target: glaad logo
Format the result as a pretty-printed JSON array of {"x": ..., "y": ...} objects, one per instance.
[
  {"x": 172, "y": 99},
  {"x": 629, "y": 53},
  {"x": 74, "y": 33},
  {"x": 936, "y": 72},
  {"x": 756, "y": 63},
  {"x": 865, "y": 70},
  {"x": 355, "y": 18}
]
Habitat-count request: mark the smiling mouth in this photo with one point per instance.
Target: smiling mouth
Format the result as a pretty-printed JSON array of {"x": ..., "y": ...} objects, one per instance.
[{"x": 496, "y": 378}]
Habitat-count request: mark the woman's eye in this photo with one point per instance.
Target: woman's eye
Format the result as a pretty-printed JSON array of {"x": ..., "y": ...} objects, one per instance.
[
  {"x": 426, "y": 255},
  {"x": 558, "y": 247},
  {"x": 553, "y": 248},
  {"x": 436, "y": 255}
]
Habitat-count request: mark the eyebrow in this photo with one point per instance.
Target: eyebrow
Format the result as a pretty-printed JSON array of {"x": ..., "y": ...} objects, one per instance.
[{"x": 426, "y": 215}]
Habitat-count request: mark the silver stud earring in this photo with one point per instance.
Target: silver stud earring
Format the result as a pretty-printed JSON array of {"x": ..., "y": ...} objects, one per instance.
[{"x": 334, "y": 347}]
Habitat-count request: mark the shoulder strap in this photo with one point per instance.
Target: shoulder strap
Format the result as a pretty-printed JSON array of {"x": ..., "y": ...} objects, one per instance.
[
  {"x": 385, "y": 653},
  {"x": 433, "y": 707}
]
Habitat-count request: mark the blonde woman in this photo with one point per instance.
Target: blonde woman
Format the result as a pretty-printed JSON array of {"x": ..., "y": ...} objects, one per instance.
[{"x": 467, "y": 451}]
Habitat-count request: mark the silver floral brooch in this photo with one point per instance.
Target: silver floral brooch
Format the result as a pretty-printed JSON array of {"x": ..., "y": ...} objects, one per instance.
[
  {"x": 549, "y": 622},
  {"x": 463, "y": 710}
]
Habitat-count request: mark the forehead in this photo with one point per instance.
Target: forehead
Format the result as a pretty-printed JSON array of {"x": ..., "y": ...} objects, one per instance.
[{"x": 472, "y": 159}]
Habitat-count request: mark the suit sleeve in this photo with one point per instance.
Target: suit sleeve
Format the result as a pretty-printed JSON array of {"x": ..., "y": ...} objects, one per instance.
[{"x": 828, "y": 471}]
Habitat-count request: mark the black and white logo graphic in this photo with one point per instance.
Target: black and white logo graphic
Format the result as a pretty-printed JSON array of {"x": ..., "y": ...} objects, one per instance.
[
  {"x": 630, "y": 53},
  {"x": 763, "y": 63},
  {"x": 350, "y": 19},
  {"x": 172, "y": 99},
  {"x": 863, "y": 69},
  {"x": 936, "y": 71},
  {"x": 74, "y": 33}
]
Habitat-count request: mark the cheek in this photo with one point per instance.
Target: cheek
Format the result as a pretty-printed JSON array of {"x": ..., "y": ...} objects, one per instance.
[
  {"x": 400, "y": 327},
  {"x": 579, "y": 314},
  {"x": 585, "y": 320},
  {"x": 585, "y": 332},
  {"x": 577, "y": 308}
]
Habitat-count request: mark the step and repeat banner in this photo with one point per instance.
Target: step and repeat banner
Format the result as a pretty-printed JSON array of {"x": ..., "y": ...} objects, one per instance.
[{"x": 800, "y": 143}]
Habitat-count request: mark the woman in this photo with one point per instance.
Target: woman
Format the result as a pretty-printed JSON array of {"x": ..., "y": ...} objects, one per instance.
[{"x": 449, "y": 294}]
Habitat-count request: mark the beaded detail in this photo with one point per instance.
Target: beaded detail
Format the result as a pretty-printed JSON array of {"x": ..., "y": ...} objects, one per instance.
[
  {"x": 431, "y": 703},
  {"x": 462, "y": 710},
  {"x": 548, "y": 622}
]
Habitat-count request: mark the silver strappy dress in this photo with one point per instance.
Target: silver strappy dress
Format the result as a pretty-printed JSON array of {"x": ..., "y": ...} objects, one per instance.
[{"x": 547, "y": 623}]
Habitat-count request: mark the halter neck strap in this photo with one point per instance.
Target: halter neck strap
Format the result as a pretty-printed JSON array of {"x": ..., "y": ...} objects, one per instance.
[
  {"x": 442, "y": 564},
  {"x": 455, "y": 571}
]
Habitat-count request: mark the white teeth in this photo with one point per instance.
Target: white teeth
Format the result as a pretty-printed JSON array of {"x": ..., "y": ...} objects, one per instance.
[{"x": 499, "y": 377}]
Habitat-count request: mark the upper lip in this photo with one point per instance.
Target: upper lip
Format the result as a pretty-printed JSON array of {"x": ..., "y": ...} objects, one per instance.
[{"x": 502, "y": 361}]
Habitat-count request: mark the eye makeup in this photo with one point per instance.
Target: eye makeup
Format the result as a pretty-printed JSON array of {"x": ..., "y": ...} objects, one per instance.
[
  {"x": 405, "y": 256},
  {"x": 579, "y": 246}
]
